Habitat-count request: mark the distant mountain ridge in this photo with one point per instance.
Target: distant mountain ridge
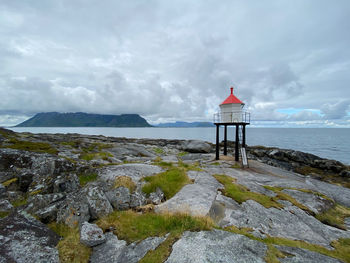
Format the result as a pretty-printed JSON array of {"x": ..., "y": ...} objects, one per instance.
[
  {"x": 81, "y": 119},
  {"x": 182, "y": 124}
]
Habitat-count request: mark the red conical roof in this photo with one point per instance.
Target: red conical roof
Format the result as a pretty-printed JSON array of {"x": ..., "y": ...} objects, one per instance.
[{"x": 231, "y": 99}]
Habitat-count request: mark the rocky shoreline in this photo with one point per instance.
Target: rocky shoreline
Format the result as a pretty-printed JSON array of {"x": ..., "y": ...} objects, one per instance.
[{"x": 89, "y": 184}]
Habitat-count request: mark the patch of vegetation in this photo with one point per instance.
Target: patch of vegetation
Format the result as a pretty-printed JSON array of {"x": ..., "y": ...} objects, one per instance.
[
  {"x": 241, "y": 193},
  {"x": 162, "y": 252},
  {"x": 85, "y": 178},
  {"x": 4, "y": 214},
  {"x": 170, "y": 181},
  {"x": 236, "y": 166},
  {"x": 19, "y": 202},
  {"x": 40, "y": 147},
  {"x": 10, "y": 181},
  {"x": 69, "y": 248},
  {"x": 215, "y": 163},
  {"x": 126, "y": 182},
  {"x": 159, "y": 162},
  {"x": 335, "y": 216},
  {"x": 98, "y": 155},
  {"x": 36, "y": 192},
  {"x": 190, "y": 167},
  {"x": 72, "y": 144},
  {"x": 158, "y": 150},
  {"x": 341, "y": 246},
  {"x": 132, "y": 226},
  {"x": 306, "y": 170},
  {"x": 273, "y": 254},
  {"x": 180, "y": 154}
]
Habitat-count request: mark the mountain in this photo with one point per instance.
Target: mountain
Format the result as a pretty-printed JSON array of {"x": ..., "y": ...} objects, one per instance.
[
  {"x": 183, "y": 124},
  {"x": 80, "y": 119}
]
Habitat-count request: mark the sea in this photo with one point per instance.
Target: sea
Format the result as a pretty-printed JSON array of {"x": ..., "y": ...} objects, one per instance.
[{"x": 330, "y": 143}]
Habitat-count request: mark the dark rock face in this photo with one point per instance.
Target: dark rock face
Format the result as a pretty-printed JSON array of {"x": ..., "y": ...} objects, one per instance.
[
  {"x": 24, "y": 239},
  {"x": 195, "y": 146}
]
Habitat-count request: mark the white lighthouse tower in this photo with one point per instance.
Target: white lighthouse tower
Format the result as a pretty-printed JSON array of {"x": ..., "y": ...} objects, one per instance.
[{"x": 231, "y": 109}]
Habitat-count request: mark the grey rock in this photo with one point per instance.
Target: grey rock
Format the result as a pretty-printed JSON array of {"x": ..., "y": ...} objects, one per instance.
[
  {"x": 109, "y": 251},
  {"x": 5, "y": 205},
  {"x": 216, "y": 246},
  {"x": 196, "y": 199},
  {"x": 136, "y": 171},
  {"x": 2, "y": 191},
  {"x": 135, "y": 150},
  {"x": 98, "y": 203},
  {"x": 277, "y": 222},
  {"x": 24, "y": 239},
  {"x": 296, "y": 255},
  {"x": 170, "y": 158},
  {"x": 91, "y": 235},
  {"x": 315, "y": 203},
  {"x": 136, "y": 251},
  {"x": 137, "y": 199},
  {"x": 74, "y": 210},
  {"x": 66, "y": 183},
  {"x": 156, "y": 197},
  {"x": 196, "y": 146},
  {"x": 347, "y": 223},
  {"x": 119, "y": 198}
]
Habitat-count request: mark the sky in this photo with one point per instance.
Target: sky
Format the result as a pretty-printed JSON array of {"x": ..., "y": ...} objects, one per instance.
[{"x": 288, "y": 61}]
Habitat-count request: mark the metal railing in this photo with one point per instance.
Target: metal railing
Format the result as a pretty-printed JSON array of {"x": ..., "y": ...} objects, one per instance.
[{"x": 232, "y": 117}]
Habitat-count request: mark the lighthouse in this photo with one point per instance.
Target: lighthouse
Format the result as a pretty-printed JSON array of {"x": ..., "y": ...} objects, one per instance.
[
  {"x": 231, "y": 109},
  {"x": 232, "y": 113}
]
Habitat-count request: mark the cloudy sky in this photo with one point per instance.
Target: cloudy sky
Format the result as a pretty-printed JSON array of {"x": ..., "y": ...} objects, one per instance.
[{"x": 289, "y": 61}]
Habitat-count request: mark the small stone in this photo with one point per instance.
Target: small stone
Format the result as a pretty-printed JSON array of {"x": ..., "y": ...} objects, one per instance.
[
  {"x": 91, "y": 235},
  {"x": 156, "y": 197}
]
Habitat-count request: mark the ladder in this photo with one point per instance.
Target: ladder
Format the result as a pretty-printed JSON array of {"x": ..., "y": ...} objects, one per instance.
[{"x": 242, "y": 149}]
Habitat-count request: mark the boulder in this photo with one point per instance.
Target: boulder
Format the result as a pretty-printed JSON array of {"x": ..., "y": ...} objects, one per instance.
[
  {"x": 24, "y": 239},
  {"x": 98, "y": 203},
  {"x": 156, "y": 197},
  {"x": 196, "y": 146},
  {"x": 108, "y": 251},
  {"x": 5, "y": 205},
  {"x": 216, "y": 246},
  {"x": 91, "y": 235},
  {"x": 119, "y": 198},
  {"x": 137, "y": 199},
  {"x": 74, "y": 210}
]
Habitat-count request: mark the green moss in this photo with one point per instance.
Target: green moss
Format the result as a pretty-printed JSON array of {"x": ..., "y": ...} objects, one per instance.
[
  {"x": 85, "y": 178},
  {"x": 241, "y": 193},
  {"x": 161, "y": 163},
  {"x": 69, "y": 248},
  {"x": 36, "y": 192},
  {"x": 162, "y": 252},
  {"x": 10, "y": 181},
  {"x": 273, "y": 254},
  {"x": 92, "y": 156},
  {"x": 4, "y": 214},
  {"x": 216, "y": 163},
  {"x": 19, "y": 202},
  {"x": 132, "y": 226},
  {"x": 190, "y": 167},
  {"x": 40, "y": 147},
  {"x": 180, "y": 154},
  {"x": 335, "y": 216},
  {"x": 126, "y": 182},
  {"x": 170, "y": 181},
  {"x": 158, "y": 150}
]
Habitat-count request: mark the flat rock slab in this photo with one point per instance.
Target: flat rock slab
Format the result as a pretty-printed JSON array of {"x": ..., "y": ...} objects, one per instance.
[
  {"x": 289, "y": 222},
  {"x": 216, "y": 246},
  {"x": 117, "y": 251},
  {"x": 135, "y": 171},
  {"x": 195, "y": 199},
  {"x": 296, "y": 255},
  {"x": 315, "y": 203},
  {"x": 25, "y": 239}
]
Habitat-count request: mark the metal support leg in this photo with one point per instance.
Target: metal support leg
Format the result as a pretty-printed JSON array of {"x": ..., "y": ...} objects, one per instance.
[
  {"x": 243, "y": 141},
  {"x": 217, "y": 142},
  {"x": 236, "y": 145},
  {"x": 225, "y": 140}
]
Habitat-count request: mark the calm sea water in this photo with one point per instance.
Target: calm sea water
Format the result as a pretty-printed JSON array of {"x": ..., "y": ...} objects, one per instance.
[{"x": 329, "y": 143}]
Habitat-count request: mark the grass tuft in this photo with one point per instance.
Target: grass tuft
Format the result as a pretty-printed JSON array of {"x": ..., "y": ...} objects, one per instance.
[
  {"x": 335, "y": 216},
  {"x": 189, "y": 167},
  {"x": 126, "y": 182},
  {"x": 170, "y": 181},
  {"x": 180, "y": 154},
  {"x": 39, "y": 147},
  {"x": 241, "y": 193},
  {"x": 69, "y": 248},
  {"x": 158, "y": 150},
  {"x": 4, "y": 214},
  {"x": 132, "y": 226},
  {"x": 10, "y": 181},
  {"x": 86, "y": 178}
]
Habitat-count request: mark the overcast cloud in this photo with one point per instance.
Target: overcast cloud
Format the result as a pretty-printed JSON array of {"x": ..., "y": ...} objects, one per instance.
[{"x": 289, "y": 61}]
